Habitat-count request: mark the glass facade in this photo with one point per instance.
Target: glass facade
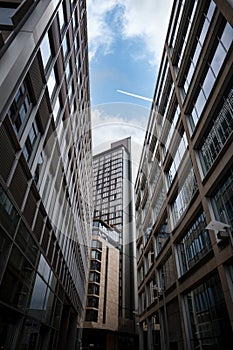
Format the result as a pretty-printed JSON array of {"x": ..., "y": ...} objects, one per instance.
[
  {"x": 46, "y": 172},
  {"x": 207, "y": 316},
  {"x": 186, "y": 192},
  {"x": 219, "y": 133},
  {"x": 194, "y": 245},
  {"x": 108, "y": 202},
  {"x": 222, "y": 199},
  {"x": 184, "y": 181}
]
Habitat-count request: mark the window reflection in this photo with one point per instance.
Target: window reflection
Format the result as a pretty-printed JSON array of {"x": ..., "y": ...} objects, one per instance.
[
  {"x": 194, "y": 245},
  {"x": 227, "y": 36},
  {"x": 217, "y": 136},
  {"x": 17, "y": 280},
  {"x": 215, "y": 64},
  {"x": 56, "y": 109},
  {"x": 45, "y": 50},
  {"x": 51, "y": 83},
  {"x": 8, "y": 214},
  {"x": 27, "y": 244},
  {"x": 44, "y": 268},
  {"x": 218, "y": 59},
  {"x": 37, "y": 304},
  {"x": 61, "y": 16},
  {"x": 223, "y": 200},
  {"x": 207, "y": 315}
]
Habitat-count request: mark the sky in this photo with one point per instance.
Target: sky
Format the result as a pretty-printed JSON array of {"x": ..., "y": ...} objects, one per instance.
[{"x": 125, "y": 39}]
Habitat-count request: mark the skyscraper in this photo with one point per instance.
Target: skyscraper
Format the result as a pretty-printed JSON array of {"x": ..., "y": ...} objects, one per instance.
[
  {"x": 184, "y": 186},
  {"x": 113, "y": 204},
  {"x": 45, "y": 173}
]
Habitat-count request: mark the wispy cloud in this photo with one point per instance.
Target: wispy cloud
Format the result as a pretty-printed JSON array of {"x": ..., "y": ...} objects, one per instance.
[{"x": 130, "y": 19}]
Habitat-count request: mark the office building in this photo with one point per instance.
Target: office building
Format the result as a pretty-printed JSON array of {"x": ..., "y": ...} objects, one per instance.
[
  {"x": 184, "y": 186},
  {"x": 45, "y": 173},
  {"x": 101, "y": 318},
  {"x": 113, "y": 195}
]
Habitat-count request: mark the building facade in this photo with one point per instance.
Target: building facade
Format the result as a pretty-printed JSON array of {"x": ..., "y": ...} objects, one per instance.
[
  {"x": 102, "y": 302},
  {"x": 185, "y": 182},
  {"x": 113, "y": 195},
  {"x": 45, "y": 173}
]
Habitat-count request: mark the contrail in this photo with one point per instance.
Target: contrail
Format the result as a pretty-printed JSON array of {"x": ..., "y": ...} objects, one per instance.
[{"x": 133, "y": 95}]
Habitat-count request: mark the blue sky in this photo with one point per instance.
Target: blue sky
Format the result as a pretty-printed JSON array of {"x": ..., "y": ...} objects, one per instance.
[{"x": 126, "y": 39}]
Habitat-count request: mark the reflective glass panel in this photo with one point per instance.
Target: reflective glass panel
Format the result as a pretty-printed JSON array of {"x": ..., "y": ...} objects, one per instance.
[{"x": 45, "y": 50}]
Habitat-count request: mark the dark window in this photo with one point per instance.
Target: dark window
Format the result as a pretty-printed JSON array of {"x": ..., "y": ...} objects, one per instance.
[
  {"x": 8, "y": 214},
  {"x": 93, "y": 288},
  {"x": 91, "y": 315},
  {"x": 31, "y": 141},
  {"x": 27, "y": 243},
  {"x": 94, "y": 277},
  {"x": 20, "y": 108},
  {"x": 17, "y": 281},
  {"x": 93, "y": 302},
  {"x": 95, "y": 265},
  {"x": 5, "y": 245}
]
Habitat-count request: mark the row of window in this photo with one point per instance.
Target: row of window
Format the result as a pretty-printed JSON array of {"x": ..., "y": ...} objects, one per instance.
[
  {"x": 27, "y": 281},
  {"x": 217, "y": 136},
  {"x": 94, "y": 282},
  {"x": 195, "y": 244},
  {"x": 203, "y": 309},
  {"x": 215, "y": 64},
  {"x": 10, "y": 221}
]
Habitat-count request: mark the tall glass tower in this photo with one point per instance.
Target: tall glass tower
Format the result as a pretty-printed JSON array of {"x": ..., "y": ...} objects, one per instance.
[{"x": 113, "y": 196}]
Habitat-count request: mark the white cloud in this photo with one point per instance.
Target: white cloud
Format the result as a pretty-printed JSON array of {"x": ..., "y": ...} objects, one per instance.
[
  {"x": 147, "y": 20},
  {"x": 100, "y": 34}
]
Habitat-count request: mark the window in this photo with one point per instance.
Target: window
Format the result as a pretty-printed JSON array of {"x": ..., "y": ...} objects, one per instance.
[
  {"x": 45, "y": 50},
  {"x": 37, "y": 303},
  {"x": 68, "y": 72},
  {"x": 6, "y": 12},
  {"x": 56, "y": 109},
  {"x": 206, "y": 312},
  {"x": 194, "y": 245},
  {"x": 217, "y": 136},
  {"x": 5, "y": 245},
  {"x": 95, "y": 265},
  {"x": 93, "y": 302},
  {"x": 61, "y": 16},
  {"x": 167, "y": 274},
  {"x": 9, "y": 217},
  {"x": 27, "y": 244},
  {"x": 51, "y": 83},
  {"x": 20, "y": 108},
  {"x": 94, "y": 277},
  {"x": 17, "y": 280},
  {"x": 96, "y": 244},
  {"x": 92, "y": 315},
  {"x": 179, "y": 153},
  {"x": 161, "y": 237},
  {"x": 44, "y": 269},
  {"x": 93, "y": 288},
  {"x": 223, "y": 200},
  {"x": 193, "y": 60},
  {"x": 185, "y": 194},
  {"x": 31, "y": 141},
  {"x": 215, "y": 64},
  {"x": 65, "y": 46}
]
